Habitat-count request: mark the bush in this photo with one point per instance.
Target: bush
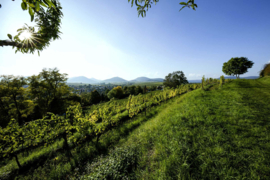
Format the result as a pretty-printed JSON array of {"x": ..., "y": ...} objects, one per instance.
[{"x": 120, "y": 164}]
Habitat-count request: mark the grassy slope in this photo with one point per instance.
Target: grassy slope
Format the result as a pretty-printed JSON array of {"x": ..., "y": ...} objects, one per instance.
[{"x": 217, "y": 134}]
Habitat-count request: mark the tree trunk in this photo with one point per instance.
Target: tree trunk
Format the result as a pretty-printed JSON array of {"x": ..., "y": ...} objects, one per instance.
[{"x": 18, "y": 163}]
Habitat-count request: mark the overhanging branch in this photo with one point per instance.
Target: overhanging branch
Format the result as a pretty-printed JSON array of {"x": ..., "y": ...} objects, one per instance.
[{"x": 12, "y": 43}]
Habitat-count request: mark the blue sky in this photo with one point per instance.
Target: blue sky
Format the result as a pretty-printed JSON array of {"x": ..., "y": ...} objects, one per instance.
[{"x": 104, "y": 39}]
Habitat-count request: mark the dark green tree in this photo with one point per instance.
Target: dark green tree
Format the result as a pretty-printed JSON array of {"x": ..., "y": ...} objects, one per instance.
[
  {"x": 15, "y": 102},
  {"x": 95, "y": 97},
  {"x": 48, "y": 14},
  {"x": 175, "y": 79},
  {"x": 144, "y": 89},
  {"x": 266, "y": 70},
  {"x": 138, "y": 90},
  {"x": 236, "y": 66}
]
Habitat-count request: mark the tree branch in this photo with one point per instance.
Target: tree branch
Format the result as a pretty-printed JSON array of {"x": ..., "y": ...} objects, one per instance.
[{"x": 12, "y": 43}]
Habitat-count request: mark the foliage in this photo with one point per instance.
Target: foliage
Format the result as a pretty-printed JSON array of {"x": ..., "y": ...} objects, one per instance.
[
  {"x": 265, "y": 71},
  {"x": 121, "y": 164},
  {"x": 222, "y": 81},
  {"x": 175, "y": 79},
  {"x": 203, "y": 82},
  {"x": 95, "y": 97},
  {"x": 147, "y": 4},
  {"x": 47, "y": 14},
  {"x": 49, "y": 90},
  {"x": 236, "y": 66},
  {"x": 116, "y": 92},
  {"x": 14, "y": 102}
]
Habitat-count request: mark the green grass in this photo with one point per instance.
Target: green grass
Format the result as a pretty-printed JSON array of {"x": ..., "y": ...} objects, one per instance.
[
  {"x": 214, "y": 134},
  {"x": 147, "y": 84}
]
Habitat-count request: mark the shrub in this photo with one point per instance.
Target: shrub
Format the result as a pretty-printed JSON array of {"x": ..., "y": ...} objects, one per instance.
[{"x": 265, "y": 71}]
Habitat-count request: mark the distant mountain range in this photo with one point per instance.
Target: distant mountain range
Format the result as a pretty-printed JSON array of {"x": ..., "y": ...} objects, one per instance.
[{"x": 83, "y": 79}]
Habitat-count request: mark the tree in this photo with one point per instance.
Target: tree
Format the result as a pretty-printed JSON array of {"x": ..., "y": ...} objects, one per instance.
[
  {"x": 116, "y": 92},
  {"x": 14, "y": 99},
  {"x": 175, "y": 79},
  {"x": 138, "y": 90},
  {"x": 47, "y": 14},
  {"x": 236, "y": 66},
  {"x": 266, "y": 70},
  {"x": 144, "y": 89},
  {"x": 49, "y": 90},
  {"x": 95, "y": 97}
]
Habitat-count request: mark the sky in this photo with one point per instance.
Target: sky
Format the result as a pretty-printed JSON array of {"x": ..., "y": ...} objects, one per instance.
[{"x": 105, "y": 39}]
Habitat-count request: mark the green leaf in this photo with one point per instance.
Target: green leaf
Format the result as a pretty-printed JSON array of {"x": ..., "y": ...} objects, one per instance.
[
  {"x": 24, "y": 6},
  {"x": 42, "y": 4},
  {"x": 38, "y": 53},
  {"x": 37, "y": 6},
  {"x": 183, "y": 3},
  {"x": 31, "y": 5},
  {"x": 31, "y": 12},
  {"x": 32, "y": 18},
  {"x": 9, "y": 36}
]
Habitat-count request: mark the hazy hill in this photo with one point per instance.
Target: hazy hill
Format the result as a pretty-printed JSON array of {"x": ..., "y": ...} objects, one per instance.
[
  {"x": 83, "y": 79},
  {"x": 115, "y": 80},
  {"x": 146, "y": 79}
]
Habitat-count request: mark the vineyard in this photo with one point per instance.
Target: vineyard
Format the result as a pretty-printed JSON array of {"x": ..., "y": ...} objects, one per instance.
[{"x": 77, "y": 126}]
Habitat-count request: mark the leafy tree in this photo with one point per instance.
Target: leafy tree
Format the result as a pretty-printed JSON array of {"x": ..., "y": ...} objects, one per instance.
[
  {"x": 144, "y": 89},
  {"x": 152, "y": 88},
  {"x": 4, "y": 107},
  {"x": 15, "y": 102},
  {"x": 175, "y": 79},
  {"x": 138, "y": 90},
  {"x": 236, "y": 66},
  {"x": 48, "y": 89},
  {"x": 265, "y": 71},
  {"x": 47, "y": 14},
  {"x": 116, "y": 92},
  {"x": 131, "y": 90},
  {"x": 95, "y": 97}
]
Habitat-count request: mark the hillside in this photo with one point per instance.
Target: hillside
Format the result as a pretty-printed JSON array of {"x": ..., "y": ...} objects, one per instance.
[
  {"x": 115, "y": 80},
  {"x": 216, "y": 134},
  {"x": 215, "y": 131}
]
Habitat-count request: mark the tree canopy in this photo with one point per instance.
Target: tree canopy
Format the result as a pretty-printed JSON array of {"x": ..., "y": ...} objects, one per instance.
[
  {"x": 48, "y": 14},
  {"x": 116, "y": 92},
  {"x": 175, "y": 79},
  {"x": 236, "y": 66}
]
